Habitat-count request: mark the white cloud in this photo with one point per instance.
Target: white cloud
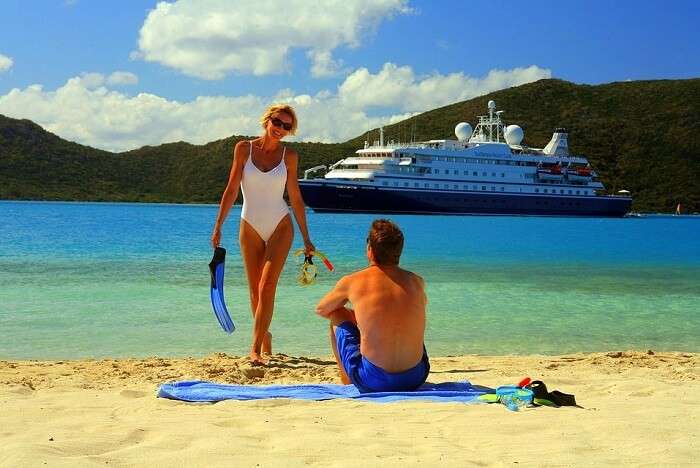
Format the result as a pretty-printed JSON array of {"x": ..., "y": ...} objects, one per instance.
[
  {"x": 85, "y": 110},
  {"x": 122, "y": 78},
  {"x": 323, "y": 65},
  {"x": 91, "y": 80},
  {"x": 211, "y": 38},
  {"x": 5, "y": 63},
  {"x": 399, "y": 87}
]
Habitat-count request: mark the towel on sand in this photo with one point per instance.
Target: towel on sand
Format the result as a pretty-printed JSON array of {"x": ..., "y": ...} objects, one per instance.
[{"x": 201, "y": 391}]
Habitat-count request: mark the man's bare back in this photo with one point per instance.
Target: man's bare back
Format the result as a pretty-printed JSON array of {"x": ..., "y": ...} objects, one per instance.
[{"x": 389, "y": 306}]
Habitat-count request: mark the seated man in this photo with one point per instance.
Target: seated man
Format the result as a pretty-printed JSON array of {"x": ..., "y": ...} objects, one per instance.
[{"x": 379, "y": 344}]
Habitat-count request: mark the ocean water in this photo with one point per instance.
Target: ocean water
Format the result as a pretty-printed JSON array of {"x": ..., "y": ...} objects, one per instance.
[{"x": 84, "y": 280}]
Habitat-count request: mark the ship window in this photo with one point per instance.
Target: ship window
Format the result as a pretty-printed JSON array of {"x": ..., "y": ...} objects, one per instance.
[
  {"x": 569, "y": 192},
  {"x": 427, "y": 185},
  {"x": 537, "y": 190},
  {"x": 476, "y": 187},
  {"x": 561, "y": 191},
  {"x": 455, "y": 186},
  {"x": 545, "y": 191},
  {"x": 447, "y": 186},
  {"x": 503, "y": 174},
  {"x": 578, "y": 192},
  {"x": 466, "y": 172},
  {"x": 476, "y": 173},
  {"x": 437, "y": 171},
  {"x": 502, "y": 189},
  {"x": 485, "y": 174},
  {"x": 456, "y": 172},
  {"x": 465, "y": 187},
  {"x": 416, "y": 185},
  {"x": 483, "y": 187},
  {"x": 436, "y": 185},
  {"x": 396, "y": 184},
  {"x": 385, "y": 183},
  {"x": 493, "y": 188},
  {"x": 405, "y": 184},
  {"x": 493, "y": 174}
]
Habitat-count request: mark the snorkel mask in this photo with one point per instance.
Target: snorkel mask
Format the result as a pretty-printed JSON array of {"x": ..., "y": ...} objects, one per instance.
[{"x": 309, "y": 271}]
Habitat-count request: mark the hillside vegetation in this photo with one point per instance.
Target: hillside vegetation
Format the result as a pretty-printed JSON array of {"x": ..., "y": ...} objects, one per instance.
[{"x": 643, "y": 136}]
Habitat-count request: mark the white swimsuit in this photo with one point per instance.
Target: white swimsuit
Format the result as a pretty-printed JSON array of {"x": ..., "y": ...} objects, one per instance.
[{"x": 263, "y": 196}]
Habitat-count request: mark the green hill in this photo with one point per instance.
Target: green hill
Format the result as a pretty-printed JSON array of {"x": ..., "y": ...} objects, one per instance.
[{"x": 643, "y": 136}]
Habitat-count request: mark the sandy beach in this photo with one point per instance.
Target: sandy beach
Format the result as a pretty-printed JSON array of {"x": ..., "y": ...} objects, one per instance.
[{"x": 639, "y": 408}]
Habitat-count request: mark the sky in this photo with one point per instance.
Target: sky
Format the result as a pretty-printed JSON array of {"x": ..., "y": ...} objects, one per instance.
[{"x": 118, "y": 75}]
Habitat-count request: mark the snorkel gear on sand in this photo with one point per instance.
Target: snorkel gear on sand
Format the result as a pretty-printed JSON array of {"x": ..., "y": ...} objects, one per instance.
[
  {"x": 309, "y": 271},
  {"x": 216, "y": 270}
]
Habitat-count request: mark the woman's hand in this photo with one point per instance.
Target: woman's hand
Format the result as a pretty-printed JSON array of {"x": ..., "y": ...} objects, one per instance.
[
  {"x": 308, "y": 247},
  {"x": 216, "y": 237}
]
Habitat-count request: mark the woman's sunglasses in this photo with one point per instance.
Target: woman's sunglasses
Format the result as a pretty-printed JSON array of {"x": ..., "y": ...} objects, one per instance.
[{"x": 278, "y": 123}]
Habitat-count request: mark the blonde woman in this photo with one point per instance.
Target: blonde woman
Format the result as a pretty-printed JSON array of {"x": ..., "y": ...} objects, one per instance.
[{"x": 262, "y": 169}]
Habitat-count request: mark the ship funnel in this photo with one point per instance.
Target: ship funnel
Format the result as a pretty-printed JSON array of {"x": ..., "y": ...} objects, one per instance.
[
  {"x": 559, "y": 144},
  {"x": 381, "y": 137}
]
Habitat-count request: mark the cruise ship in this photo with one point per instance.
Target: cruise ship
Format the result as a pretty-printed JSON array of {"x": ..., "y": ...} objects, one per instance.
[{"x": 486, "y": 170}]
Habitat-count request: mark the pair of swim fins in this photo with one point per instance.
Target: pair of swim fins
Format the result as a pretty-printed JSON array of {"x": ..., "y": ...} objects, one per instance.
[{"x": 216, "y": 269}]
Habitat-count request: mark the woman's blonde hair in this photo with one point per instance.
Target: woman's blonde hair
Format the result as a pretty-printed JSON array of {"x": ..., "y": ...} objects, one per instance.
[{"x": 277, "y": 108}]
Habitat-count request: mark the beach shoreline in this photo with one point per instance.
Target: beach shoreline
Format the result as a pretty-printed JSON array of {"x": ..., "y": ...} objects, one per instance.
[{"x": 637, "y": 408}]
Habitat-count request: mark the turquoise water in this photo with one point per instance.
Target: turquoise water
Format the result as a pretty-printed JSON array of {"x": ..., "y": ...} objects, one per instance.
[{"x": 100, "y": 279}]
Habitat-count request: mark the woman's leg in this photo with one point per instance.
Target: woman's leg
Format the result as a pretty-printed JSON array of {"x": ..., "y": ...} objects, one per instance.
[
  {"x": 253, "y": 252},
  {"x": 276, "y": 252}
]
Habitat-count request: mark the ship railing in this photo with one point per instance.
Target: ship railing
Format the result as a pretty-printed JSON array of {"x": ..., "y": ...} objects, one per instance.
[
  {"x": 376, "y": 145},
  {"x": 311, "y": 170}
]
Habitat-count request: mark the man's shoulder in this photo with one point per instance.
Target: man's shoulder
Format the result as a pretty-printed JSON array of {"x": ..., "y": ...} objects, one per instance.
[{"x": 355, "y": 276}]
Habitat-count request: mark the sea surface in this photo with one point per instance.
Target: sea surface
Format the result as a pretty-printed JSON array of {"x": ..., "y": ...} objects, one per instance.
[{"x": 89, "y": 280}]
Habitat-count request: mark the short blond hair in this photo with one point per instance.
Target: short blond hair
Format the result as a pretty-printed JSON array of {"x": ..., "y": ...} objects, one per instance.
[{"x": 277, "y": 108}]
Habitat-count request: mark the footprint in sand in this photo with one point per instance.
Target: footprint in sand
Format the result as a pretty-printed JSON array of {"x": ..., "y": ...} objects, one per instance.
[
  {"x": 643, "y": 393},
  {"x": 254, "y": 372},
  {"x": 133, "y": 394}
]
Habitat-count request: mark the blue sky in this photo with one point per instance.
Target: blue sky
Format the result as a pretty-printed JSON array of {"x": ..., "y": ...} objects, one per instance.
[{"x": 119, "y": 75}]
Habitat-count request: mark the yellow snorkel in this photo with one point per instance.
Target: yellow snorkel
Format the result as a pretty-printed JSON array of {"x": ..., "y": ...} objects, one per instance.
[{"x": 308, "y": 272}]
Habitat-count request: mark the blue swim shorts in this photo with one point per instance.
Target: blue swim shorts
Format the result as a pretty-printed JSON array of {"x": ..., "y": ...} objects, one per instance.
[{"x": 368, "y": 377}]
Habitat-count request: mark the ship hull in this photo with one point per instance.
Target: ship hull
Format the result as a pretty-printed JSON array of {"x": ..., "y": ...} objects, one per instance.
[{"x": 326, "y": 196}]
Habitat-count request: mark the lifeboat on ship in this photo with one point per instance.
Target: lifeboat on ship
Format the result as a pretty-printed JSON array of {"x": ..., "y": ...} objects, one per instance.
[
  {"x": 551, "y": 171},
  {"x": 580, "y": 175}
]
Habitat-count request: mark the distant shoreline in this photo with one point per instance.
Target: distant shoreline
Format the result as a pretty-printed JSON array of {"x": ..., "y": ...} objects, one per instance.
[{"x": 216, "y": 204}]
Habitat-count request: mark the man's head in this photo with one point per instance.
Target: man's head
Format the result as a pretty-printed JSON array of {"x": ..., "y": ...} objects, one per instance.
[{"x": 384, "y": 242}]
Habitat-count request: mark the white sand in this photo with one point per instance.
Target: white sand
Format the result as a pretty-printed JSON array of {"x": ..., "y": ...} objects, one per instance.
[{"x": 639, "y": 409}]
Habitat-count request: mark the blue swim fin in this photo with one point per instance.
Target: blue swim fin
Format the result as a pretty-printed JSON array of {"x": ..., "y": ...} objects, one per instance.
[{"x": 216, "y": 269}]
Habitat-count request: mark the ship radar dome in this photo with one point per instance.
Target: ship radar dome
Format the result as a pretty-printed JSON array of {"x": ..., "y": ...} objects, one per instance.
[
  {"x": 463, "y": 131},
  {"x": 514, "y": 134},
  {"x": 492, "y": 105}
]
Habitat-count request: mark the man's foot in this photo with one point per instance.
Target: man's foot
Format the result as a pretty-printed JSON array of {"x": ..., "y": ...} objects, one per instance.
[
  {"x": 256, "y": 359},
  {"x": 267, "y": 344}
]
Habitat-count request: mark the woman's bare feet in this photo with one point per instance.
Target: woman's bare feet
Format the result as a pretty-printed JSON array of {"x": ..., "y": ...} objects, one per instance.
[
  {"x": 256, "y": 359},
  {"x": 267, "y": 344}
]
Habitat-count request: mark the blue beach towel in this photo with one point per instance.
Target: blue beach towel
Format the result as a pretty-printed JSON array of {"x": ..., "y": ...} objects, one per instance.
[{"x": 210, "y": 392}]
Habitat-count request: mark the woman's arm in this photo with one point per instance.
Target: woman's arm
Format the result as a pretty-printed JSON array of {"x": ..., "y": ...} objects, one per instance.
[
  {"x": 240, "y": 155},
  {"x": 295, "y": 198}
]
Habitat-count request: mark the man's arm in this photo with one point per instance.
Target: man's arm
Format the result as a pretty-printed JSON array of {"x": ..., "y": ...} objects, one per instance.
[{"x": 336, "y": 297}]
